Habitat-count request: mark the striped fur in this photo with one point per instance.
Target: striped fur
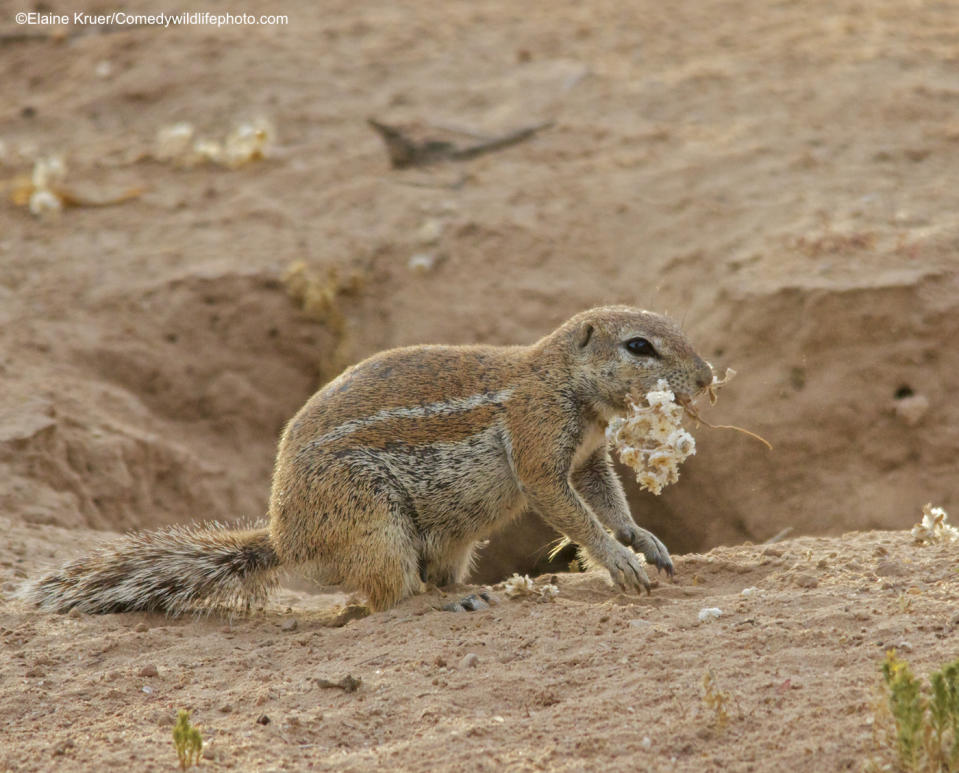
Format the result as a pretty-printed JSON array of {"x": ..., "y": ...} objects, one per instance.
[{"x": 171, "y": 570}]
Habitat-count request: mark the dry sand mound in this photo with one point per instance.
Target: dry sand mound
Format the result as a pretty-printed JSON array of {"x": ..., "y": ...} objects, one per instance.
[{"x": 591, "y": 679}]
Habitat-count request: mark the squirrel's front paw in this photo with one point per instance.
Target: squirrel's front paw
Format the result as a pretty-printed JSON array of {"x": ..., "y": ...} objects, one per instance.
[
  {"x": 626, "y": 570},
  {"x": 647, "y": 543}
]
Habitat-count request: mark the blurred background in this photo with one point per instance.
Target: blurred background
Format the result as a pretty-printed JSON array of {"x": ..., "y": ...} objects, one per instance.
[{"x": 198, "y": 227}]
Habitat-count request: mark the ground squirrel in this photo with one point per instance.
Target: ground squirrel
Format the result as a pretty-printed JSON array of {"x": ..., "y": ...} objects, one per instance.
[{"x": 392, "y": 473}]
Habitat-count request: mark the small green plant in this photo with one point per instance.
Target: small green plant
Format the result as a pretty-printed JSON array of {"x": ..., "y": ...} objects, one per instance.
[
  {"x": 926, "y": 718},
  {"x": 187, "y": 740},
  {"x": 944, "y": 715},
  {"x": 715, "y": 699},
  {"x": 907, "y": 707}
]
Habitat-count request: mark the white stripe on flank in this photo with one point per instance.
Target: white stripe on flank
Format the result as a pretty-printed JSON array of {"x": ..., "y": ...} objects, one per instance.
[{"x": 441, "y": 408}]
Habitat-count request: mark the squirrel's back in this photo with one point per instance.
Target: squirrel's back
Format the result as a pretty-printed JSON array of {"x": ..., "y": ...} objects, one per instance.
[{"x": 402, "y": 378}]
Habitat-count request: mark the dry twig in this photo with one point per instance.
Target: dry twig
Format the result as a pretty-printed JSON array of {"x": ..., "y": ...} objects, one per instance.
[{"x": 405, "y": 152}]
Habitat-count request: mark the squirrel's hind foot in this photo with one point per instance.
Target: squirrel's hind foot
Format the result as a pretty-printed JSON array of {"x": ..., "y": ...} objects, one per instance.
[{"x": 472, "y": 603}]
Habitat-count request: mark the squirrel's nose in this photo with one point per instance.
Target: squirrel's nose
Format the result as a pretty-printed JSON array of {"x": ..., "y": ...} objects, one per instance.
[{"x": 704, "y": 375}]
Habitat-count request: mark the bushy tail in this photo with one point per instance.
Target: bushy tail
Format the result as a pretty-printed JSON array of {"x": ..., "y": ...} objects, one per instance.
[{"x": 171, "y": 570}]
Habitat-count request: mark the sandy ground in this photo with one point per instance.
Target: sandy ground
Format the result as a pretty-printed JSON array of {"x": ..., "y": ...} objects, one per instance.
[
  {"x": 778, "y": 177},
  {"x": 592, "y": 679}
]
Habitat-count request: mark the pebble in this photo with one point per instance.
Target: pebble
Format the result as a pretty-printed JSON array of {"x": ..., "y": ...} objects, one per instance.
[
  {"x": 430, "y": 232},
  {"x": 140, "y": 627},
  {"x": 263, "y": 719},
  {"x": 148, "y": 670},
  {"x": 226, "y": 708},
  {"x": 709, "y": 613},
  {"x": 469, "y": 660},
  {"x": 889, "y": 568},
  {"x": 288, "y": 625},
  {"x": 421, "y": 263},
  {"x": 911, "y": 410},
  {"x": 804, "y": 580}
]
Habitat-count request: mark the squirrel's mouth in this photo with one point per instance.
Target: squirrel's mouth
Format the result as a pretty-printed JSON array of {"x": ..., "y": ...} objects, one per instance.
[
  {"x": 686, "y": 399},
  {"x": 688, "y": 404}
]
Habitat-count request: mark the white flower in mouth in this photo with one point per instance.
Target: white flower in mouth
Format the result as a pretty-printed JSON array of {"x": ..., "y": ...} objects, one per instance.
[{"x": 651, "y": 440}]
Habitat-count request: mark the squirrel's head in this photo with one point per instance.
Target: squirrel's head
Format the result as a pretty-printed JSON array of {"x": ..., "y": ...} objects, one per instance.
[{"x": 617, "y": 350}]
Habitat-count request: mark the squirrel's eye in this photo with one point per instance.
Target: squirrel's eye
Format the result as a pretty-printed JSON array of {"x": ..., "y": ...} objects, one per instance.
[{"x": 641, "y": 347}]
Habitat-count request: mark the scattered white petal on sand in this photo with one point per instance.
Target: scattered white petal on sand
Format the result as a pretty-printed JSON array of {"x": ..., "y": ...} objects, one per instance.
[
  {"x": 48, "y": 171},
  {"x": 522, "y": 585},
  {"x": 246, "y": 142},
  {"x": 44, "y": 202},
  {"x": 934, "y": 527},
  {"x": 174, "y": 141}
]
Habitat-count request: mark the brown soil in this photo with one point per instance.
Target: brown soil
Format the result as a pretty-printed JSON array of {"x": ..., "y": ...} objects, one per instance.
[{"x": 781, "y": 178}]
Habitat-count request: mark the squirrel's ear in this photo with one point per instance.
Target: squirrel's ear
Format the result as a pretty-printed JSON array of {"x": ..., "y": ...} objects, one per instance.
[{"x": 583, "y": 335}]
